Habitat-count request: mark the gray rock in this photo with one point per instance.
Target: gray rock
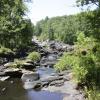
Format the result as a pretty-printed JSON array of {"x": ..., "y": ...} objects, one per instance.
[
  {"x": 57, "y": 83},
  {"x": 32, "y": 85},
  {"x": 51, "y": 78},
  {"x": 9, "y": 64},
  {"x": 30, "y": 77},
  {"x": 2, "y": 73}
]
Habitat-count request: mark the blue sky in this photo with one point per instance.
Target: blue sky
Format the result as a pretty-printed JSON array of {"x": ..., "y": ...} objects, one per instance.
[{"x": 39, "y": 9}]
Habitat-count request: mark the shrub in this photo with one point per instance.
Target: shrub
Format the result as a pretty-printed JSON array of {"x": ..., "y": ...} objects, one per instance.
[
  {"x": 18, "y": 63},
  {"x": 85, "y": 60},
  {"x": 35, "y": 56},
  {"x": 64, "y": 62},
  {"x": 92, "y": 93}
]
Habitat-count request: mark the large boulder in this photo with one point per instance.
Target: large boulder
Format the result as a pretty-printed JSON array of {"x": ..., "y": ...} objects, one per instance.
[
  {"x": 31, "y": 76},
  {"x": 4, "y": 78},
  {"x": 13, "y": 72},
  {"x": 31, "y": 80},
  {"x": 32, "y": 85}
]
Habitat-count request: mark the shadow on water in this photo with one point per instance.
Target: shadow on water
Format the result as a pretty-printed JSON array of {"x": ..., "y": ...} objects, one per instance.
[{"x": 13, "y": 90}]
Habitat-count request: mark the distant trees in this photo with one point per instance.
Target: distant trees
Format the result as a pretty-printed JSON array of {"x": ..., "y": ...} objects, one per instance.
[{"x": 62, "y": 28}]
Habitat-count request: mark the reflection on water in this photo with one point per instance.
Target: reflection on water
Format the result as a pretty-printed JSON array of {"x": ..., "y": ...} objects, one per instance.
[
  {"x": 43, "y": 95},
  {"x": 43, "y": 71},
  {"x": 15, "y": 91}
]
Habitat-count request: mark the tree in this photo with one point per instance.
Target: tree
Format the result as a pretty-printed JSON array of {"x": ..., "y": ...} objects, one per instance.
[
  {"x": 86, "y": 2},
  {"x": 12, "y": 23},
  {"x": 51, "y": 33}
]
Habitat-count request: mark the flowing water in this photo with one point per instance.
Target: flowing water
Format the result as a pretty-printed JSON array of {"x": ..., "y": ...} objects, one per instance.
[{"x": 13, "y": 90}]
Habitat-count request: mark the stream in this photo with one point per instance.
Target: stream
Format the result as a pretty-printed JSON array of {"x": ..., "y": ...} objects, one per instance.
[
  {"x": 51, "y": 85},
  {"x": 12, "y": 89}
]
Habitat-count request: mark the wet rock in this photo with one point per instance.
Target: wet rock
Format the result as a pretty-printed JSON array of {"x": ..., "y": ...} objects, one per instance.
[
  {"x": 38, "y": 86},
  {"x": 11, "y": 82},
  {"x": 2, "y": 73},
  {"x": 9, "y": 64},
  {"x": 50, "y": 78},
  {"x": 3, "y": 60},
  {"x": 68, "y": 77},
  {"x": 57, "y": 83},
  {"x": 29, "y": 61},
  {"x": 3, "y": 89},
  {"x": 13, "y": 72},
  {"x": 59, "y": 46},
  {"x": 4, "y": 78},
  {"x": 50, "y": 60},
  {"x": 30, "y": 77},
  {"x": 28, "y": 66},
  {"x": 45, "y": 84}
]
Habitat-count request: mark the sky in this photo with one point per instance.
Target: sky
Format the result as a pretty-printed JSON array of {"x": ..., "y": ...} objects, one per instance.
[{"x": 39, "y": 9}]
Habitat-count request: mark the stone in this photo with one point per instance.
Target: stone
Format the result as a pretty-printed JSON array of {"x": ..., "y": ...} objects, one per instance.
[
  {"x": 28, "y": 66},
  {"x": 13, "y": 72},
  {"x": 4, "y": 78},
  {"x": 9, "y": 64},
  {"x": 3, "y": 89},
  {"x": 2, "y": 73},
  {"x": 57, "y": 83},
  {"x": 33, "y": 76},
  {"x": 50, "y": 78}
]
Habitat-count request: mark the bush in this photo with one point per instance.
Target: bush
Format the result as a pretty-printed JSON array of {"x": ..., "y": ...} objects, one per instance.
[
  {"x": 64, "y": 62},
  {"x": 18, "y": 63},
  {"x": 92, "y": 93},
  {"x": 35, "y": 56}
]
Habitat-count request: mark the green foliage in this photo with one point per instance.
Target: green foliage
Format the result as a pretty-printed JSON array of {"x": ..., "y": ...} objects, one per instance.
[
  {"x": 86, "y": 2},
  {"x": 35, "y": 56},
  {"x": 92, "y": 93},
  {"x": 64, "y": 62},
  {"x": 85, "y": 63},
  {"x": 18, "y": 63},
  {"x": 93, "y": 18},
  {"x": 4, "y": 50},
  {"x": 13, "y": 27},
  {"x": 60, "y": 28}
]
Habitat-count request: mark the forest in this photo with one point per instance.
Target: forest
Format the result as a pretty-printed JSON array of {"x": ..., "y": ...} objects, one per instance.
[{"x": 82, "y": 31}]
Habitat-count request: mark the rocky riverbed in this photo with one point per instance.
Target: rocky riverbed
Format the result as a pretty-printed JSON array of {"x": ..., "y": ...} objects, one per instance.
[{"x": 38, "y": 80}]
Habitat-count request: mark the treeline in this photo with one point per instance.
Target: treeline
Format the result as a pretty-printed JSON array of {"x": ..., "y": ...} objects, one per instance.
[
  {"x": 63, "y": 28},
  {"x": 15, "y": 30}
]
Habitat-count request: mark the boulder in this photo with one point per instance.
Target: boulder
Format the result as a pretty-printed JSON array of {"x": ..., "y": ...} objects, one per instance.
[
  {"x": 32, "y": 85},
  {"x": 4, "y": 78},
  {"x": 31, "y": 80},
  {"x": 28, "y": 66},
  {"x": 50, "y": 78},
  {"x": 13, "y": 72},
  {"x": 2, "y": 73},
  {"x": 33, "y": 76}
]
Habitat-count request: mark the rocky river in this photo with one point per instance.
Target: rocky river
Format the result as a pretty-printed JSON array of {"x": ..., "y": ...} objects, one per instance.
[{"x": 39, "y": 80}]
